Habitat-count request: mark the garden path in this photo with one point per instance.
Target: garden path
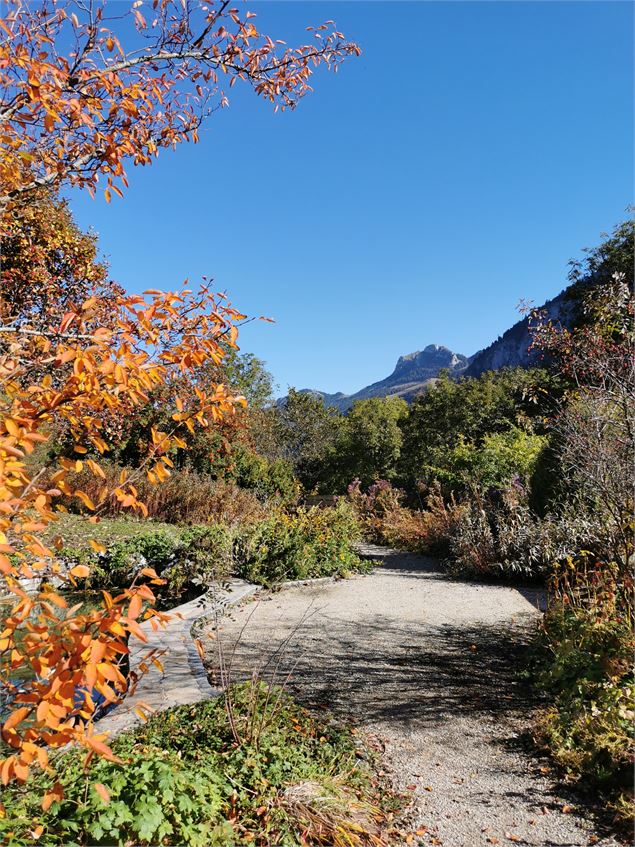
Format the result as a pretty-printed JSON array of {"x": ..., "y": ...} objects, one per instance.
[{"x": 427, "y": 665}]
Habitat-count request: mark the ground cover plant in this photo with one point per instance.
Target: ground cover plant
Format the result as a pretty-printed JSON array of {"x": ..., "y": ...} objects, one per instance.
[{"x": 251, "y": 768}]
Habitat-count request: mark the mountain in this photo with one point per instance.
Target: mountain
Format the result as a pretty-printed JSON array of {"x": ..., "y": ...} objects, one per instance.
[
  {"x": 412, "y": 374},
  {"x": 512, "y": 348},
  {"x": 416, "y": 371}
]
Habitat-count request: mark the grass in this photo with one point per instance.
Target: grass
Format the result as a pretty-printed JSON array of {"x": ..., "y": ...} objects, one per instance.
[
  {"x": 76, "y": 531},
  {"x": 262, "y": 772}
]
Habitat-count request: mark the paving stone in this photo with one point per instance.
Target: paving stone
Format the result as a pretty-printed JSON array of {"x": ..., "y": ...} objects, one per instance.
[{"x": 182, "y": 678}]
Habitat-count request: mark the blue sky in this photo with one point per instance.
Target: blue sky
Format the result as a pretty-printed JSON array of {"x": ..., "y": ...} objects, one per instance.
[{"x": 414, "y": 198}]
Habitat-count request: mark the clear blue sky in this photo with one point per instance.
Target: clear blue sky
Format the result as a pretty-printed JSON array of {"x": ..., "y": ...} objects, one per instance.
[{"x": 414, "y": 198}]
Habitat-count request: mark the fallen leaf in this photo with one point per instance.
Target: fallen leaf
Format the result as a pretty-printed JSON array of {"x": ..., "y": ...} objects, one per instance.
[{"x": 411, "y": 787}]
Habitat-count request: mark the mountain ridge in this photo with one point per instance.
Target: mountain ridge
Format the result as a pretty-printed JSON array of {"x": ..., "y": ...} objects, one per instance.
[{"x": 415, "y": 372}]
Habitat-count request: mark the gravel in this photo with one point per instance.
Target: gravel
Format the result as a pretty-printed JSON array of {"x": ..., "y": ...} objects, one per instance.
[{"x": 427, "y": 665}]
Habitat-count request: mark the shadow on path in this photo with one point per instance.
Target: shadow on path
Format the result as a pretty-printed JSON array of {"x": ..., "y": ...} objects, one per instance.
[{"x": 381, "y": 671}]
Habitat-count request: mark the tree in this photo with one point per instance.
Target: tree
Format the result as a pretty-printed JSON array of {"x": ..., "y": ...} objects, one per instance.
[
  {"x": 594, "y": 428},
  {"x": 49, "y": 266},
  {"x": 76, "y": 104},
  {"x": 247, "y": 375},
  {"x": 307, "y": 432},
  {"x": 86, "y": 87},
  {"x": 370, "y": 442},
  {"x": 471, "y": 410},
  {"x": 101, "y": 371}
]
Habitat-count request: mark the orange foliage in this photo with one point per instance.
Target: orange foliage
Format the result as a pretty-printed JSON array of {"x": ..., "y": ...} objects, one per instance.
[
  {"x": 76, "y": 114},
  {"x": 75, "y": 104},
  {"x": 85, "y": 370}
]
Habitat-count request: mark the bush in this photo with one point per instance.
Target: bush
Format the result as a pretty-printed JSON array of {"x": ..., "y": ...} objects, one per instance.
[
  {"x": 492, "y": 464},
  {"x": 194, "y": 775},
  {"x": 500, "y": 535},
  {"x": 190, "y": 560},
  {"x": 385, "y": 519},
  {"x": 186, "y": 497},
  {"x": 309, "y": 543},
  {"x": 583, "y": 662}
]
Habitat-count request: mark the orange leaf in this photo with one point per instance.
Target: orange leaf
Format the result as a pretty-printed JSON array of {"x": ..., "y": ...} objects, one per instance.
[
  {"x": 16, "y": 717},
  {"x": 101, "y": 789},
  {"x": 135, "y": 607},
  {"x": 55, "y": 794}
]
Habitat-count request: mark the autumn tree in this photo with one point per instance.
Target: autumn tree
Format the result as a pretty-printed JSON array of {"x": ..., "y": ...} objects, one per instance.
[
  {"x": 49, "y": 266},
  {"x": 594, "y": 427},
  {"x": 85, "y": 89},
  {"x": 80, "y": 98}
]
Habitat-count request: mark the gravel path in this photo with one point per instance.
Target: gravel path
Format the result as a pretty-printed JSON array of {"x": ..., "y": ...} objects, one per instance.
[{"x": 428, "y": 665}]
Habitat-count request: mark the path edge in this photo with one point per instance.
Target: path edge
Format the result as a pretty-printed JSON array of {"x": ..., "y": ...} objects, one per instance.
[{"x": 182, "y": 679}]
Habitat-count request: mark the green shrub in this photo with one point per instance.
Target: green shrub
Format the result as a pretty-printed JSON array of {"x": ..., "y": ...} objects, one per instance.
[
  {"x": 583, "y": 663},
  {"x": 154, "y": 799},
  {"x": 191, "y": 775},
  {"x": 309, "y": 543},
  {"x": 116, "y": 568},
  {"x": 500, "y": 458},
  {"x": 203, "y": 556}
]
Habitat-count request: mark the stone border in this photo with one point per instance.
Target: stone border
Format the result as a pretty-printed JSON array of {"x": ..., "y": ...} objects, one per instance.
[{"x": 183, "y": 678}]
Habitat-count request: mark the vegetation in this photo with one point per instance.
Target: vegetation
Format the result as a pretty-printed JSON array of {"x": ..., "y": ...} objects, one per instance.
[
  {"x": 115, "y": 404},
  {"x": 84, "y": 92},
  {"x": 302, "y": 544},
  {"x": 530, "y": 474},
  {"x": 583, "y": 663},
  {"x": 262, "y": 772}
]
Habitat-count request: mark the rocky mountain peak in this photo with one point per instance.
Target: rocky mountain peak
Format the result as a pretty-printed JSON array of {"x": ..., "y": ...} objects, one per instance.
[{"x": 428, "y": 362}]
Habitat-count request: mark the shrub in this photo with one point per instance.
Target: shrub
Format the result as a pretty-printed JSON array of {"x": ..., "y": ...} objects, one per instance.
[
  {"x": 385, "y": 519},
  {"x": 194, "y": 775},
  {"x": 583, "y": 662},
  {"x": 189, "y": 560},
  {"x": 185, "y": 497},
  {"x": 499, "y": 534},
  {"x": 309, "y": 543},
  {"x": 491, "y": 464}
]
